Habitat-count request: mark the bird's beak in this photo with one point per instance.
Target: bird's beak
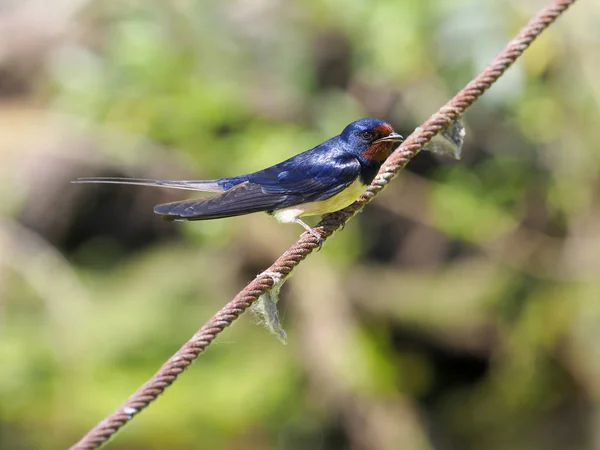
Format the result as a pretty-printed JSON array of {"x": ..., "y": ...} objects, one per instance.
[{"x": 393, "y": 137}]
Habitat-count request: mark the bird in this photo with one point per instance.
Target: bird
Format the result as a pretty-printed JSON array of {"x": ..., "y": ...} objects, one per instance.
[{"x": 324, "y": 179}]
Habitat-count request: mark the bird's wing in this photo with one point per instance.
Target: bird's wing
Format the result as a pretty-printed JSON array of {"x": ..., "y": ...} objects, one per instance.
[
  {"x": 281, "y": 186},
  {"x": 314, "y": 175},
  {"x": 190, "y": 185},
  {"x": 244, "y": 198}
]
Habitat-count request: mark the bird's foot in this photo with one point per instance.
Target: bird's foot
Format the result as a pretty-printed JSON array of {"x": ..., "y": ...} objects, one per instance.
[
  {"x": 312, "y": 232},
  {"x": 318, "y": 237}
]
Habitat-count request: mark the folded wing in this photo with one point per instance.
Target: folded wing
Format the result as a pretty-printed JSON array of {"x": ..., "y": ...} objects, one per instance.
[{"x": 244, "y": 198}]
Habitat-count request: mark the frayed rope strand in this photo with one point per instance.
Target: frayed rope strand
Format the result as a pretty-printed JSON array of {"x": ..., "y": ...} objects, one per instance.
[{"x": 283, "y": 266}]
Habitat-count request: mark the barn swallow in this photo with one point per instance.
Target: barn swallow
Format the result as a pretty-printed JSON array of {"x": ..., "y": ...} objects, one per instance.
[{"x": 321, "y": 180}]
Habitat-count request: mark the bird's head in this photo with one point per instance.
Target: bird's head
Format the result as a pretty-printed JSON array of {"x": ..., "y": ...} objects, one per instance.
[{"x": 371, "y": 140}]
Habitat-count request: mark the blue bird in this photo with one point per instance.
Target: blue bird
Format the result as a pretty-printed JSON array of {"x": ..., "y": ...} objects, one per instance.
[{"x": 321, "y": 180}]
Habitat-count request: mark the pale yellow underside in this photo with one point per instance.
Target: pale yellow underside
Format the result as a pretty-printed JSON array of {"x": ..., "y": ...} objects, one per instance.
[{"x": 332, "y": 204}]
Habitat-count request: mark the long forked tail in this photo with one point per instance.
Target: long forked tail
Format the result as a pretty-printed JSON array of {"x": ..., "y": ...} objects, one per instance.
[{"x": 190, "y": 185}]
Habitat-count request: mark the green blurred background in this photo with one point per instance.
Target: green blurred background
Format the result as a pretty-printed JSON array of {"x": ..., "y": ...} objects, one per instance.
[{"x": 461, "y": 310}]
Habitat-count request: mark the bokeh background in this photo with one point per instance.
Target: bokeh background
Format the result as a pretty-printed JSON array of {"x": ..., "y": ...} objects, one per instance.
[{"x": 460, "y": 310}]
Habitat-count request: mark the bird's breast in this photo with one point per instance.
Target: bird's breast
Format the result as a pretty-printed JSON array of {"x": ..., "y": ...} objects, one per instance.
[{"x": 332, "y": 204}]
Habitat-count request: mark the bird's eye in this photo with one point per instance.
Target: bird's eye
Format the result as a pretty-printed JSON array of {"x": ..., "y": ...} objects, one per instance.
[{"x": 366, "y": 135}]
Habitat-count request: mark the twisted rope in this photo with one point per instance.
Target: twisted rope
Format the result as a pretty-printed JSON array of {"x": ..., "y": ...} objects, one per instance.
[{"x": 171, "y": 369}]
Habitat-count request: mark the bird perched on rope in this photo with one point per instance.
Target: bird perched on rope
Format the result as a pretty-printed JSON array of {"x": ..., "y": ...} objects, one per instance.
[{"x": 321, "y": 180}]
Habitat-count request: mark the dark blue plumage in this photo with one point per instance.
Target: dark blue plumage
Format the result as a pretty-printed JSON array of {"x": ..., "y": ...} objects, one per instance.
[{"x": 323, "y": 179}]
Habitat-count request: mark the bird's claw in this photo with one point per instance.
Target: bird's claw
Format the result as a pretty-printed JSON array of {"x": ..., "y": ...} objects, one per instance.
[
  {"x": 317, "y": 236},
  {"x": 312, "y": 232}
]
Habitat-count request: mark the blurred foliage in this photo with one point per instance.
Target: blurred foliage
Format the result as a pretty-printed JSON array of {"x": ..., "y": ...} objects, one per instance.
[{"x": 459, "y": 311}]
